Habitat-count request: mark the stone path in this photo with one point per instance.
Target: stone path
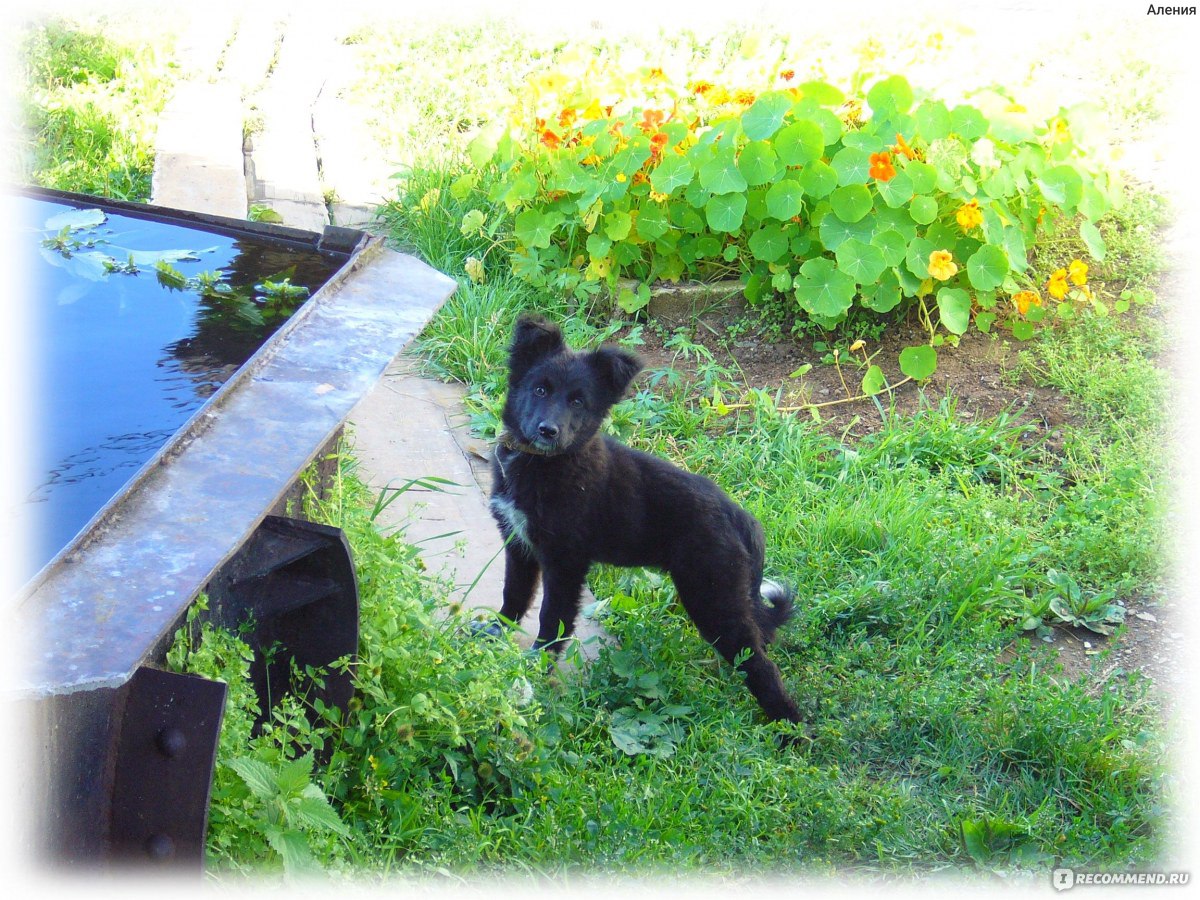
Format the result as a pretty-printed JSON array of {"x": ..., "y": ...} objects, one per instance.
[{"x": 306, "y": 147}]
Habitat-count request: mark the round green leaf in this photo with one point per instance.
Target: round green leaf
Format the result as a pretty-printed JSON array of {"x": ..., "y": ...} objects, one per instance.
[
  {"x": 785, "y": 199},
  {"x": 758, "y": 163},
  {"x": 851, "y": 203},
  {"x": 799, "y": 143},
  {"x": 923, "y": 176},
  {"x": 766, "y": 114},
  {"x": 968, "y": 122},
  {"x": 862, "y": 262},
  {"x": 896, "y": 191},
  {"x": 598, "y": 246},
  {"x": 954, "y": 307},
  {"x": 823, "y": 290},
  {"x": 1022, "y": 331},
  {"x": 1062, "y": 185},
  {"x": 851, "y": 165},
  {"x": 987, "y": 268},
  {"x": 932, "y": 120},
  {"x": 916, "y": 259},
  {"x": 720, "y": 175},
  {"x": 725, "y": 212},
  {"x": 834, "y": 232},
  {"x": 918, "y": 362},
  {"x": 891, "y": 244},
  {"x": 534, "y": 228},
  {"x": 884, "y": 295},
  {"x": 822, "y": 93},
  {"x": 818, "y": 179},
  {"x": 769, "y": 243},
  {"x": 652, "y": 222},
  {"x": 617, "y": 224},
  {"x": 892, "y": 95},
  {"x": 923, "y": 210},
  {"x": 671, "y": 174}
]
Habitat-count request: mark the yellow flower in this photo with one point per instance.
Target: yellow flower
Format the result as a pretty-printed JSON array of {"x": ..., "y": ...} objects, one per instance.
[
  {"x": 1077, "y": 272},
  {"x": 621, "y": 176},
  {"x": 942, "y": 265},
  {"x": 1026, "y": 299},
  {"x": 659, "y": 198},
  {"x": 969, "y": 216},
  {"x": 1057, "y": 287},
  {"x": 593, "y": 111}
]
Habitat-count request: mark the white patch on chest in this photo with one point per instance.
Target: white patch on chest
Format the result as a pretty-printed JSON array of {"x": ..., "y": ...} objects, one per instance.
[{"x": 517, "y": 524}]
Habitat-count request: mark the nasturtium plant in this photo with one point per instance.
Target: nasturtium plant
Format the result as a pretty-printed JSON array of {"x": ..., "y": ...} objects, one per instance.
[{"x": 810, "y": 197}]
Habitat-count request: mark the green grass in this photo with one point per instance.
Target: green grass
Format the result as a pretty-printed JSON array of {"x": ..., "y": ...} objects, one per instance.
[{"x": 88, "y": 108}]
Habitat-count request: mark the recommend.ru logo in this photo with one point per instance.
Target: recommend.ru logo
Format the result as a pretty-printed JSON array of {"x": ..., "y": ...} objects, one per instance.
[{"x": 1064, "y": 878}]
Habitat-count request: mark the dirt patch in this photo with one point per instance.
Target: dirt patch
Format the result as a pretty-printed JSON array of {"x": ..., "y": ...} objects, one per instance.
[{"x": 980, "y": 375}]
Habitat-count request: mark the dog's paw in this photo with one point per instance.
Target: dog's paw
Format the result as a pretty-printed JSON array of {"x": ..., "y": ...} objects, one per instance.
[
  {"x": 794, "y": 736},
  {"x": 488, "y": 629}
]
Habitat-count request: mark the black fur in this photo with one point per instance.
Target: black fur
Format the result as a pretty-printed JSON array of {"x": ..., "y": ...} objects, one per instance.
[{"x": 566, "y": 497}]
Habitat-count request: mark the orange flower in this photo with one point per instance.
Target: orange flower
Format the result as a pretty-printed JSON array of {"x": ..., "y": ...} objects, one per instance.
[
  {"x": 969, "y": 216},
  {"x": 656, "y": 72},
  {"x": 566, "y": 118},
  {"x": 657, "y": 142},
  {"x": 550, "y": 139},
  {"x": 881, "y": 167},
  {"x": 787, "y": 74},
  {"x": 651, "y": 119},
  {"x": 701, "y": 87},
  {"x": 744, "y": 97},
  {"x": 639, "y": 177},
  {"x": 1057, "y": 286},
  {"x": 1026, "y": 299},
  {"x": 901, "y": 148},
  {"x": 1077, "y": 272},
  {"x": 942, "y": 265}
]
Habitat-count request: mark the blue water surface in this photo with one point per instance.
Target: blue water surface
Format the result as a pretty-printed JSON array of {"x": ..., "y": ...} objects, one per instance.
[{"x": 122, "y": 361}]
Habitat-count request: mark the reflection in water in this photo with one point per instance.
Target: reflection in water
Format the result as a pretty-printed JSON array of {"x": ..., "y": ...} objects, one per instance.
[{"x": 138, "y": 323}]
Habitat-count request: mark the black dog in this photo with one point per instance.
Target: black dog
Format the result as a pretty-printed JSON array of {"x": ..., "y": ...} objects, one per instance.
[{"x": 566, "y": 497}]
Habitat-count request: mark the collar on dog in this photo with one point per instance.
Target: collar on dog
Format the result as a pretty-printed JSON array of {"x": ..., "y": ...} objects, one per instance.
[{"x": 507, "y": 440}]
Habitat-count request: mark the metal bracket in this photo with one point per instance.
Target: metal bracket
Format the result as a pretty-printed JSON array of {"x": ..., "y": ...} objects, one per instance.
[{"x": 164, "y": 761}]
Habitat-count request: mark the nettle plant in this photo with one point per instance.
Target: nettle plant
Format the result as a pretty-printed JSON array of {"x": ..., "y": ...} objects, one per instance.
[{"x": 810, "y": 197}]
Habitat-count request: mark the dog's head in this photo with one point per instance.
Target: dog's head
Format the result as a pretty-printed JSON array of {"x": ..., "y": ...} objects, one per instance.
[{"x": 557, "y": 398}]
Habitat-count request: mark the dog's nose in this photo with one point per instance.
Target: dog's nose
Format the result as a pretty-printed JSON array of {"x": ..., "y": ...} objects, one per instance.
[{"x": 546, "y": 430}]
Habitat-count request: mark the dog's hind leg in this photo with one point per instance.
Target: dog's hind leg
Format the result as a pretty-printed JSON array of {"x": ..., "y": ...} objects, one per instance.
[{"x": 731, "y": 629}]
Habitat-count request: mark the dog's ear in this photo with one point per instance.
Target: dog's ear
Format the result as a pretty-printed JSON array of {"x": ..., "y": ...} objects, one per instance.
[
  {"x": 534, "y": 338},
  {"x": 614, "y": 370}
]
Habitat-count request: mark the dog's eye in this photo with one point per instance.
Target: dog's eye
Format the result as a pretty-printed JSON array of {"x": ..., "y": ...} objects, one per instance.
[
  {"x": 539, "y": 391},
  {"x": 577, "y": 401}
]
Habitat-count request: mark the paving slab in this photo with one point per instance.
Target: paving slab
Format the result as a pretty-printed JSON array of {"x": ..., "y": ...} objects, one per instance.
[
  {"x": 198, "y": 151},
  {"x": 283, "y": 172}
]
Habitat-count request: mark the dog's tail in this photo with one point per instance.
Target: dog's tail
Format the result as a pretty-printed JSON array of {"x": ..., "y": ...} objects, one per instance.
[{"x": 777, "y": 607}]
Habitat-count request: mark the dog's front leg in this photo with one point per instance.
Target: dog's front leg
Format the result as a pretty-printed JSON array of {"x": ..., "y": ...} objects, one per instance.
[
  {"x": 561, "y": 587},
  {"x": 521, "y": 573}
]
